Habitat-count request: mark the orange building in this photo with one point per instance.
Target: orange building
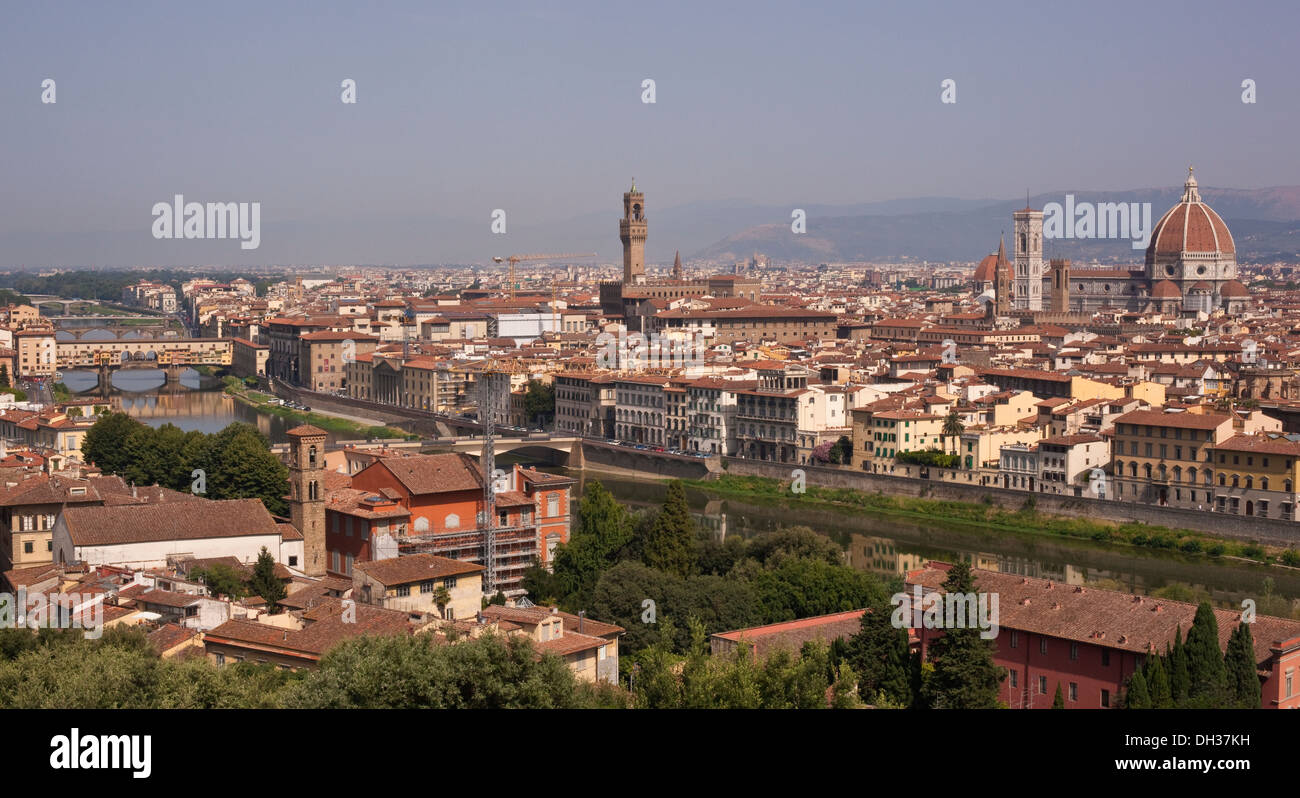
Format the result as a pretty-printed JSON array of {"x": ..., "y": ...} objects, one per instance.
[{"x": 434, "y": 505}]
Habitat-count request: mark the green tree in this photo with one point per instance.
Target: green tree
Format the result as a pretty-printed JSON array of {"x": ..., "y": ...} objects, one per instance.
[
  {"x": 799, "y": 542},
  {"x": 965, "y": 676},
  {"x": 412, "y": 672},
  {"x": 539, "y": 401},
  {"x": 1179, "y": 679},
  {"x": 1059, "y": 701},
  {"x": 601, "y": 535},
  {"x": 841, "y": 452},
  {"x": 4, "y": 375},
  {"x": 264, "y": 582},
  {"x": 879, "y": 654},
  {"x": 1137, "y": 697},
  {"x": 1242, "y": 674},
  {"x": 223, "y": 580},
  {"x": 1157, "y": 680},
  {"x": 670, "y": 542},
  {"x": 1207, "y": 677},
  {"x": 793, "y": 588},
  {"x": 239, "y": 465},
  {"x": 105, "y": 442}
]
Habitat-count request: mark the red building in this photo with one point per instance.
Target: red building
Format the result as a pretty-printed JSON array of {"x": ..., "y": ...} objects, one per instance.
[
  {"x": 434, "y": 504},
  {"x": 1089, "y": 641}
]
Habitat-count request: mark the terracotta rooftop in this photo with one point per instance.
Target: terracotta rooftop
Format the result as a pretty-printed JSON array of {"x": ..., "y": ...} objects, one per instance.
[{"x": 415, "y": 568}]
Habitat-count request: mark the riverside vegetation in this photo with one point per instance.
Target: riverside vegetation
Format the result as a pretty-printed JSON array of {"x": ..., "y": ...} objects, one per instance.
[{"x": 987, "y": 516}]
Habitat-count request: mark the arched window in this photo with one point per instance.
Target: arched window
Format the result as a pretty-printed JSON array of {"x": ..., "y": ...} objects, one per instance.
[
  {"x": 1263, "y": 483},
  {"x": 1146, "y": 470},
  {"x": 1178, "y": 474},
  {"x": 1286, "y": 486},
  {"x": 1191, "y": 475},
  {"x": 452, "y": 521},
  {"x": 1132, "y": 469},
  {"x": 1236, "y": 480},
  {"x": 311, "y": 457},
  {"x": 421, "y": 524},
  {"x": 1222, "y": 481},
  {"x": 1250, "y": 483}
]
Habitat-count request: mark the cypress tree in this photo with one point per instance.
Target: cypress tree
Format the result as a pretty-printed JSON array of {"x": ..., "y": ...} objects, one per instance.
[
  {"x": 264, "y": 582},
  {"x": 1059, "y": 701},
  {"x": 1208, "y": 679},
  {"x": 1138, "y": 697},
  {"x": 879, "y": 655},
  {"x": 1179, "y": 682},
  {"x": 1157, "y": 681},
  {"x": 1243, "y": 680},
  {"x": 670, "y": 542},
  {"x": 916, "y": 679},
  {"x": 965, "y": 676}
]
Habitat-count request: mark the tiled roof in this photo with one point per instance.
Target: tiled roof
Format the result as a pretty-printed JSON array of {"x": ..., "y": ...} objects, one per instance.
[
  {"x": 415, "y": 568},
  {"x": 316, "y": 638},
  {"x": 434, "y": 473},
  {"x": 169, "y": 636},
  {"x": 167, "y": 598},
  {"x": 1158, "y": 418},
  {"x": 187, "y": 520},
  {"x": 793, "y": 634},
  {"x": 1102, "y": 617}
]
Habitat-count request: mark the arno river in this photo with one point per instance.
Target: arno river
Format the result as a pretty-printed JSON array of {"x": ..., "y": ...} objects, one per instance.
[
  {"x": 197, "y": 403},
  {"x": 883, "y": 544}
]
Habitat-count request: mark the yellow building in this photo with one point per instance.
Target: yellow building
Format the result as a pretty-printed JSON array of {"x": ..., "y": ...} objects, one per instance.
[
  {"x": 981, "y": 447},
  {"x": 1166, "y": 458},
  {"x": 414, "y": 582},
  {"x": 1023, "y": 404},
  {"x": 878, "y": 436},
  {"x": 1257, "y": 475}
]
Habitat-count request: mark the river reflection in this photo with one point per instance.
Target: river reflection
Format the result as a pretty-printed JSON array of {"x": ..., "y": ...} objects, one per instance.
[
  {"x": 893, "y": 545},
  {"x": 197, "y": 403}
]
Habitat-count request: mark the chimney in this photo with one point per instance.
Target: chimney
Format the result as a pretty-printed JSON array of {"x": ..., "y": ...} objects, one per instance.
[{"x": 582, "y": 620}]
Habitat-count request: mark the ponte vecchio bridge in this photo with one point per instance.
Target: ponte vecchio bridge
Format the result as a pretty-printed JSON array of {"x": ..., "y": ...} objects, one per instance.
[{"x": 172, "y": 355}]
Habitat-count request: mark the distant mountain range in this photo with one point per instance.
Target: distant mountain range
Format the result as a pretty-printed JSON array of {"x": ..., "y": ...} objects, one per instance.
[{"x": 1265, "y": 224}]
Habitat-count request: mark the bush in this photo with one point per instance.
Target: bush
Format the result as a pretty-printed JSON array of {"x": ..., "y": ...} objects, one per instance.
[
  {"x": 1291, "y": 557},
  {"x": 1253, "y": 550},
  {"x": 1191, "y": 546},
  {"x": 929, "y": 457}
]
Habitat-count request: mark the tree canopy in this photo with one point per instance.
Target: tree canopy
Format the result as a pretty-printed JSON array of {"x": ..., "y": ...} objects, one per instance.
[{"x": 235, "y": 463}]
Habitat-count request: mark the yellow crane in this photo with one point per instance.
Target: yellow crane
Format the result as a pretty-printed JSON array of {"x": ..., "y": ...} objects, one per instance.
[{"x": 513, "y": 259}]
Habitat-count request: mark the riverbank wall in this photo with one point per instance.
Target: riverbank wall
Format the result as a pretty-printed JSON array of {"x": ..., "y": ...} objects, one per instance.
[
  {"x": 418, "y": 422},
  {"x": 1269, "y": 531},
  {"x": 642, "y": 464}
]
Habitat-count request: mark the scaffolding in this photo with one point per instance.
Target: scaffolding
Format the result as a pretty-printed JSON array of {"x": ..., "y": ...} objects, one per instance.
[{"x": 513, "y": 549}]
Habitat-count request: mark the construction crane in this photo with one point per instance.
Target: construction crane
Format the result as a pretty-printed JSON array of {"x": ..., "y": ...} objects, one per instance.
[{"x": 513, "y": 259}]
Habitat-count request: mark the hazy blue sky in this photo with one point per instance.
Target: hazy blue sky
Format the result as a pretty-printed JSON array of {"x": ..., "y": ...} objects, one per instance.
[{"x": 536, "y": 108}]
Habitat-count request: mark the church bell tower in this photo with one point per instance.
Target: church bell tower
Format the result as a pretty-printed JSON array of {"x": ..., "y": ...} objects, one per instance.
[{"x": 307, "y": 494}]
